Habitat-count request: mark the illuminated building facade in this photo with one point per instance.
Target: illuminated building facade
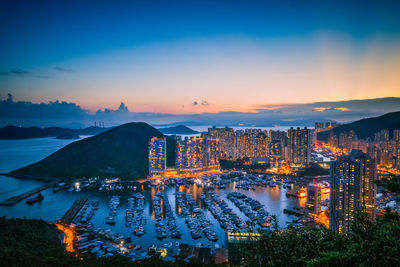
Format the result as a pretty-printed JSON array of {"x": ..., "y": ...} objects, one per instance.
[
  {"x": 396, "y": 144},
  {"x": 211, "y": 152},
  {"x": 299, "y": 146},
  {"x": 314, "y": 196},
  {"x": 255, "y": 144},
  {"x": 252, "y": 143},
  {"x": 197, "y": 154},
  {"x": 238, "y": 144},
  {"x": 225, "y": 137},
  {"x": 382, "y": 136},
  {"x": 352, "y": 187},
  {"x": 346, "y": 140},
  {"x": 157, "y": 155},
  {"x": 276, "y": 153},
  {"x": 189, "y": 153}
]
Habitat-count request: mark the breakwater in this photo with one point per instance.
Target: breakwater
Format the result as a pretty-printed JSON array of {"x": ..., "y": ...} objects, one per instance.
[
  {"x": 71, "y": 213},
  {"x": 14, "y": 200}
]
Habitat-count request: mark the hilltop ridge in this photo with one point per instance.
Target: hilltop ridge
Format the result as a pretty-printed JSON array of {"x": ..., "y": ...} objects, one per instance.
[{"x": 366, "y": 127}]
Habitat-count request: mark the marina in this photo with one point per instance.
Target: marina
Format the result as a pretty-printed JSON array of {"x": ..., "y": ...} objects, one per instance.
[{"x": 171, "y": 217}]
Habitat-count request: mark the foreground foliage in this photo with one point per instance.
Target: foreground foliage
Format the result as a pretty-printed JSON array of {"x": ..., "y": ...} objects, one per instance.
[
  {"x": 26, "y": 242},
  {"x": 367, "y": 244}
]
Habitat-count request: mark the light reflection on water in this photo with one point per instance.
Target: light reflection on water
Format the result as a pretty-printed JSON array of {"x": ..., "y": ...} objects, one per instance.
[{"x": 15, "y": 154}]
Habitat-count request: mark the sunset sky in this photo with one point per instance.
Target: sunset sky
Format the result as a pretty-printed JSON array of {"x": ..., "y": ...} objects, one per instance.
[{"x": 206, "y": 56}]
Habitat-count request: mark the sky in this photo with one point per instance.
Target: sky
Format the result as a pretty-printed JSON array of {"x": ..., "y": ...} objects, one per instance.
[{"x": 198, "y": 57}]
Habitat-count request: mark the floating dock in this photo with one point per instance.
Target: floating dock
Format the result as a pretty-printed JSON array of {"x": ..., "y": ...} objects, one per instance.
[
  {"x": 18, "y": 198},
  {"x": 71, "y": 213}
]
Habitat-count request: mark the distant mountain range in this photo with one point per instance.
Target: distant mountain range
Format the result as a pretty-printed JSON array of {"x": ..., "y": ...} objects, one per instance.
[
  {"x": 180, "y": 129},
  {"x": 366, "y": 127},
  {"x": 13, "y": 132},
  {"x": 118, "y": 152}
]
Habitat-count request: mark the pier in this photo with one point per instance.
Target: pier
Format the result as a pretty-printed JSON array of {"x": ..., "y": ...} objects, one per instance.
[
  {"x": 71, "y": 213},
  {"x": 14, "y": 200},
  {"x": 293, "y": 212}
]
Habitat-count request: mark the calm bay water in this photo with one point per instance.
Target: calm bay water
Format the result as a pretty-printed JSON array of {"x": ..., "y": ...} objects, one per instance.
[{"x": 18, "y": 153}]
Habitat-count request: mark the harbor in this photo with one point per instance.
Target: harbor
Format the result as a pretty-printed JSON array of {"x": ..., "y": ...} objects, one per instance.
[
  {"x": 175, "y": 218},
  {"x": 15, "y": 199}
]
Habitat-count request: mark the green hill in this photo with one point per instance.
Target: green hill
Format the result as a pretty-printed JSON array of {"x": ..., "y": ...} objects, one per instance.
[
  {"x": 366, "y": 127},
  {"x": 119, "y": 152}
]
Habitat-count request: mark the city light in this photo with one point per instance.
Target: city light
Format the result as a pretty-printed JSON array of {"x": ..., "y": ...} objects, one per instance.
[{"x": 69, "y": 236}]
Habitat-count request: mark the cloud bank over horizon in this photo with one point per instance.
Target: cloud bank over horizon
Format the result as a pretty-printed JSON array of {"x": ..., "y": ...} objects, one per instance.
[{"x": 64, "y": 114}]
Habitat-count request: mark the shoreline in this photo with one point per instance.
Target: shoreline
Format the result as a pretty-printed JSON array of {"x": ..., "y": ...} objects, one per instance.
[{"x": 31, "y": 177}]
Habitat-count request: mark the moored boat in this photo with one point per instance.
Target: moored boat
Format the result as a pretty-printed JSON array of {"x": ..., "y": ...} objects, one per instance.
[{"x": 38, "y": 198}]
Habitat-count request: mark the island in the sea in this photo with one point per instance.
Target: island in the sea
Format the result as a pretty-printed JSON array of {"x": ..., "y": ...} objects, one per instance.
[{"x": 178, "y": 130}]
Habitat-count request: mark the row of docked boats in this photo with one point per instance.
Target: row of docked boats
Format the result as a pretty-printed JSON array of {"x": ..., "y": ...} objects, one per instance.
[
  {"x": 116, "y": 187},
  {"x": 161, "y": 231},
  {"x": 198, "y": 224},
  {"x": 129, "y": 212},
  {"x": 86, "y": 213},
  {"x": 222, "y": 212},
  {"x": 164, "y": 221},
  {"x": 252, "y": 208},
  {"x": 113, "y": 207},
  {"x": 139, "y": 219},
  {"x": 102, "y": 243}
]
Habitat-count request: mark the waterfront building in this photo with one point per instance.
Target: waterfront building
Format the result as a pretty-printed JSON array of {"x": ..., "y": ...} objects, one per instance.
[
  {"x": 276, "y": 153},
  {"x": 225, "y": 138},
  {"x": 299, "y": 146},
  {"x": 197, "y": 154},
  {"x": 314, "y": 196},
  {"x": 352, "y": 187},
  {"x": 157, "y": 155},
  {"x": 190, "y": 154},
  {"x": 211, "y": 152}
]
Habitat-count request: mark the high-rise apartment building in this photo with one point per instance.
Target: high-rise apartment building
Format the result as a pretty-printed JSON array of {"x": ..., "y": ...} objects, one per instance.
[
  {"x": 157, "y": 155},
  {"x": 211, "y": 152},
  {"x": 225, "y": 138},
  {"x": 396, "y": 144},
  {"x": 299, "y": 145},
  {"x": 255, "y": 144},
  {"x": 352, "y": 187},
  {"x": 382, "y": 136},
  {"x": 197, "y": 154},
  {"x": 276, "y": 153},
  {"x": 346, "y": 140},
  {"x": 314, "y": 195}
]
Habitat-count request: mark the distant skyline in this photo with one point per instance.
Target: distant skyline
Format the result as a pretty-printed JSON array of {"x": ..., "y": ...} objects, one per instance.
[{"x": 194, "y": 57}]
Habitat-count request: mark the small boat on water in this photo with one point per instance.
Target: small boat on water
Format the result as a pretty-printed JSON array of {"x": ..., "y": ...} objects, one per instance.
[
  {"x": 39, "y": 197},
  {"x": 56, "y": 188}
]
